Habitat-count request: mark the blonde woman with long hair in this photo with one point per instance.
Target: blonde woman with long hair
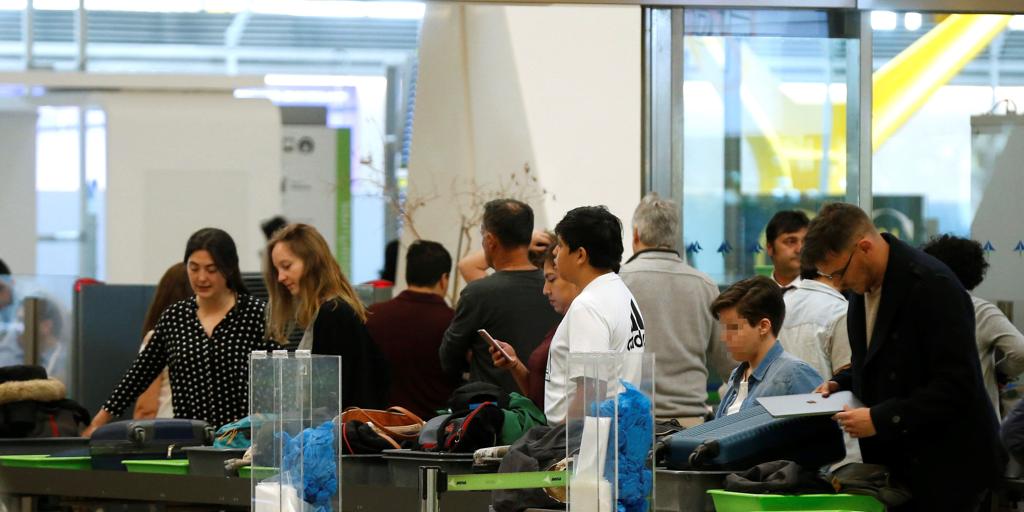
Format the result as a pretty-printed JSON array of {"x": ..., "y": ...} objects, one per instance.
[{"x": 308, "y": 291}]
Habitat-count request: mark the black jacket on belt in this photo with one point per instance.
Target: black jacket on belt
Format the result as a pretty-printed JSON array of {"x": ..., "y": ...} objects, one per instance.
[{"x": 922, "y": 380}]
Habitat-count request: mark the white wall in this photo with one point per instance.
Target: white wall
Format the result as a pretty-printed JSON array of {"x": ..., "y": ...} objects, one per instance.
[
  {"x": 310, "y": 177},
  {"x": 18, "y": 190},
  {"x": 178, "y": 162},
  {"x": 554, "y": 87},
  {"x": 580, "y": 77}
]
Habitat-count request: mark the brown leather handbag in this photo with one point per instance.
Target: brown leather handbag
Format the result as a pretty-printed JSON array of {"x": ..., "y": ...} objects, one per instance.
[{"x": 397, "y": 423}]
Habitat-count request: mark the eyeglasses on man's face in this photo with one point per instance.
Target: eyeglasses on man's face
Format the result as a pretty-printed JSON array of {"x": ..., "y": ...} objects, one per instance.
[{"x": 838, "y": 274}]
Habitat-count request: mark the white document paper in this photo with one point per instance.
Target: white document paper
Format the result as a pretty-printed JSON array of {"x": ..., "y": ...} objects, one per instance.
[
  {"x": 589, "y": 491},
  {"x": 277, "y": 497}
]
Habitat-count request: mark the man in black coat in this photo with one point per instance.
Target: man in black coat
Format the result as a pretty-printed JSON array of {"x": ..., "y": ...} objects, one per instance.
[{"x": 915, "y": 363}]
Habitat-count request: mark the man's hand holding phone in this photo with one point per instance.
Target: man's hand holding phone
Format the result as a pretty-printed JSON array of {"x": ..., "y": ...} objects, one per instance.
[{"x": 502, "y": 354}]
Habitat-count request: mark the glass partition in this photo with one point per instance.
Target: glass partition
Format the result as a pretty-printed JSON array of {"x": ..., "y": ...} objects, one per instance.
[
  {"x": 946, "y": 135},
  {"x": 764, "y": 97},
  {"x": 610, "y": 431},
  {"x": 765, "y": 115},
  {"x": 948, "y": 140},
  {"x": 764, "y": 126},
  {"x": 36, "y": 323},
  {"x": 294, "y": 406},
  {"x": 943, "y": 87}
]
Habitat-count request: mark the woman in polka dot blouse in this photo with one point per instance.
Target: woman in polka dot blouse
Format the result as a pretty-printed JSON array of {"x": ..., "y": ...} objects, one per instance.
[
  {"x": 204, "y": 341},
  {"x": 308, "y": 291}
]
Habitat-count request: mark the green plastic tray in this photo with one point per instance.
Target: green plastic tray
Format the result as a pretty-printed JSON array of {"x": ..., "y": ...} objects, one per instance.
[
  {"x": 726, "y": 501},
  {"x": 260, "y": 472},
  {"x": 46, "y": 462},
  {"x": 163, "y": 467}
]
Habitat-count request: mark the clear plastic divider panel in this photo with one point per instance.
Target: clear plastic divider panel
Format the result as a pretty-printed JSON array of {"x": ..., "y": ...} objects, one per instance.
[
  {"x": 610, "y": 431},
  {"x": 296, "y": 402}
]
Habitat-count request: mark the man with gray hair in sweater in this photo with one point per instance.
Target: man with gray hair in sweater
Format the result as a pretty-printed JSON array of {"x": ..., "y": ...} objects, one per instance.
[{"x": 676, "y": 299}]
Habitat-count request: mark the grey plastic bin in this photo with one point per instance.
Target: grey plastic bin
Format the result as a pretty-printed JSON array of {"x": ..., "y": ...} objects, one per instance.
[
  {"x": 404, "y": 465},
  {"x": 365, "y": 469},
  {"x": 686, "y": 490},
  {"x": 209, "y": 461}
]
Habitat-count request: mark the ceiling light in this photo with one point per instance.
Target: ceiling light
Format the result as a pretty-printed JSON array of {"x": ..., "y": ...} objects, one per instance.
[
  {"x": 884, "y": 20},
  {"x": 912, "y": 21}
]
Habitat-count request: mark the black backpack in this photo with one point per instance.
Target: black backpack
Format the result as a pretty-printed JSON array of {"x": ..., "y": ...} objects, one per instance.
[
  {"x": 475, "y": 422},
  {"x": 473, "y": 393},
  {"x": 470, "y": 430}
]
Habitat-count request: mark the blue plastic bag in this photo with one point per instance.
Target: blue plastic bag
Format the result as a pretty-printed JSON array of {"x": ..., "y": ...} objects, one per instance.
[
  {"x": 318, "y": 472},
  {"x": 636, "y": 436}
]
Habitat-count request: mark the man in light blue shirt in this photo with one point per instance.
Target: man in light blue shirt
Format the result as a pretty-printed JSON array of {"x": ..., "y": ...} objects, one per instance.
[{"x": 751, "y": 313}]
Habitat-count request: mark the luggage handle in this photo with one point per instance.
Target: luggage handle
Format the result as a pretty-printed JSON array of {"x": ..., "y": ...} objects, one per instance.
[
  {"x": 705, "y": 451},
  {"x": 138, "y": 436}
]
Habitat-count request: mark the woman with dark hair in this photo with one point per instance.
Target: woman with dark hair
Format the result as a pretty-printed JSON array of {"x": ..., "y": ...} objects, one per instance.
[
  {"x": 204, "y": 341},
  {"x": 155, "y": 402},
  {"x": 308, "y": 291}
]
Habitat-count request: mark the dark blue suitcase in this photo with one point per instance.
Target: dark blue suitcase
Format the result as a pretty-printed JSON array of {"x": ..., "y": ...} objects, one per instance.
[
  {"x": 116, "y": 442},
  {"x": 752, "y": 436}
]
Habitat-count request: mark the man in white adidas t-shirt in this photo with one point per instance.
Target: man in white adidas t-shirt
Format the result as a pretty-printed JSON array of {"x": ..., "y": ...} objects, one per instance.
[{"x": 604, "y": 316}]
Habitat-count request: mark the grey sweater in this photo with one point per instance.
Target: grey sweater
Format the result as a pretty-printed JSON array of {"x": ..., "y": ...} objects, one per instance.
[
  {"x": 992, "y": 330},
  {"x": 512, "y": 307},
  {"x": 675, "y": 299}
]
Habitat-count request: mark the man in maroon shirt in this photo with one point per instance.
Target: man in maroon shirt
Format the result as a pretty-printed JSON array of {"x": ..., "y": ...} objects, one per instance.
[{"x": 409, "y": 329}]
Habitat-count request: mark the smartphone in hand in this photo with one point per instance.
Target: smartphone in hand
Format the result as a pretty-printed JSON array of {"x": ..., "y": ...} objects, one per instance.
[{"x": 492, "y": 342}]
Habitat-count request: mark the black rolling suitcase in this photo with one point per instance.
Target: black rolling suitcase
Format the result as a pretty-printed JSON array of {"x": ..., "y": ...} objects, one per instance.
[
  {"x": 145, "y": 440},
  {"x": 752, "y": 436}
]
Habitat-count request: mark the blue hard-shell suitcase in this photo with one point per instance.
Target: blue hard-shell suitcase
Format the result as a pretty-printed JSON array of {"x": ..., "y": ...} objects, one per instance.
[
  {"x": 116, "y": 442},
  {"x": 752, "y": 436}
]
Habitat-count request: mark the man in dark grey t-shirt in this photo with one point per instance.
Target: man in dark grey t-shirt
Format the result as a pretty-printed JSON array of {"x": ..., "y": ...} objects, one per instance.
[{"x": 509, "y": 303}]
